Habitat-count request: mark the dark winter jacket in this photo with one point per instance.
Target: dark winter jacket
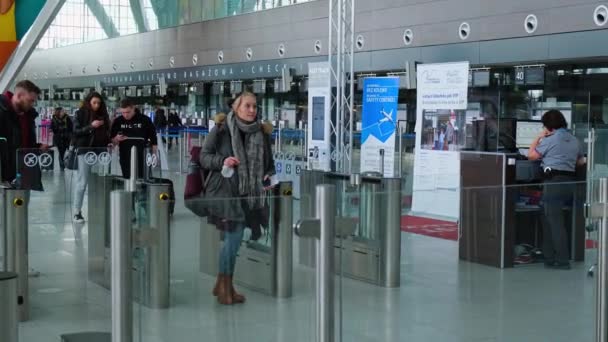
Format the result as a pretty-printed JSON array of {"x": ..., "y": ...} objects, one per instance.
[
  {"x": 174, "y": 121},
  {"x": 62, "y": 130},
  {"x": 216, "y": 148},
  {"x": 85, "y": 134},
  {"x": 160, "y": 121},
  {"x": 10, "y": 129}
]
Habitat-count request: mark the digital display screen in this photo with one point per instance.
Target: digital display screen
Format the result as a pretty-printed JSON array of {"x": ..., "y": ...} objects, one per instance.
[
  {"x": 535, "y": 76},
  {"x": 481, "y": 78},
  {"x": 318, "y": 118},
  {"x": 526, "y": 132}
]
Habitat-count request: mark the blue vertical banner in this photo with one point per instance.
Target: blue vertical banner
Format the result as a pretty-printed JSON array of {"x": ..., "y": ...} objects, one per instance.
[{"x": 379, "y": 124}]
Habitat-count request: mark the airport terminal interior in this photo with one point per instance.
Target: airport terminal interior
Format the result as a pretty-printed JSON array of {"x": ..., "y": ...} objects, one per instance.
[{"x": 429, "y": 170}]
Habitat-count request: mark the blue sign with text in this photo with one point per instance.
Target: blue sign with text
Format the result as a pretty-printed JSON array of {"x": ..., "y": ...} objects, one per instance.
[{"x": 380, "y": 101}]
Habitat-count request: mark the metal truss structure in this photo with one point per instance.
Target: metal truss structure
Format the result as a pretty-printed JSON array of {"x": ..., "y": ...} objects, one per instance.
[{"x": 341, "y": 64}]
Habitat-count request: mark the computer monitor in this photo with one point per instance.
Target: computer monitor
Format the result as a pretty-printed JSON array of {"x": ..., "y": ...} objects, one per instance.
[
  {"x": 527, "y": 132},
  {"x": 494, "y": 135}
]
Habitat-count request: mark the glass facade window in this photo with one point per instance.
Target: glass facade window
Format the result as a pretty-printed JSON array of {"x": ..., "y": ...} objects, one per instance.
[
  {"x": 80, "y": 22},
  {"x": 76, "y": 24}
]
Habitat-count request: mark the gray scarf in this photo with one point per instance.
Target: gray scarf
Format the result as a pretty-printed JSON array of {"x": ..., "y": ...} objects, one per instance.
[{"x": 250, "y": 153}]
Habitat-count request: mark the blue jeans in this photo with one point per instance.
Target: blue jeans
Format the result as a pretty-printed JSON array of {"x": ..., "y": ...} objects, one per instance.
[{"x": 230, "y": 249}]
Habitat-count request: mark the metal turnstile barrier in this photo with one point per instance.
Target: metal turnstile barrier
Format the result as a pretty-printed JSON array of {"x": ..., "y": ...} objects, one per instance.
[
  {"x": 598, "y": 210},
  {"x": 263, "y": 268},
  {"x": 9, "y": 325},
  {"x": 122, "y": 244},
  {"x": 323, "y": 230},
  {"x": 15, "y": 243},
  {"x": 151, "y": 203},
  {"x": 155, "y": 263},
  {"x": 373, "y": 253}
]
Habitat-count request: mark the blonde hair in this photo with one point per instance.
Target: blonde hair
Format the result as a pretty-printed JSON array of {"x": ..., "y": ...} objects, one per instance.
[{"x": 237, "y": 102}]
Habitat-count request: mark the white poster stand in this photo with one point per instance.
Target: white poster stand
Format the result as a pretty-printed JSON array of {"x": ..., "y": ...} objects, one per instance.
[
  {"x": 436, "y": 188},
  {"x": 319, "y": 102}
]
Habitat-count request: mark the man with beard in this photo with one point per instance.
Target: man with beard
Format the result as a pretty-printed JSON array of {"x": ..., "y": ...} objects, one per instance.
[{"x": 17, "y": 125}]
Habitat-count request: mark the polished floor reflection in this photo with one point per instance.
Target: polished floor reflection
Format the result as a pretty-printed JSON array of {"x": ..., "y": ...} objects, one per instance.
[{"x": 441, "y": 299}]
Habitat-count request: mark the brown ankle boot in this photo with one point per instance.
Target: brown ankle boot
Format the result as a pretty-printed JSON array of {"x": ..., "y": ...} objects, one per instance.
[
  {"x": 236, "y": 297},
  {"x": 224, "y": 293},
  {"x": 216, "y": 288}
]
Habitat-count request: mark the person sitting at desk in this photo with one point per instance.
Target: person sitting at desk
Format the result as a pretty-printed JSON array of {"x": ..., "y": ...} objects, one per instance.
[{"x": 559, "y": 152}]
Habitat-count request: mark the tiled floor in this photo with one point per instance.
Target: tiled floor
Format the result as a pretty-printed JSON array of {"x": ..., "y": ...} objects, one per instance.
[{"x": 441, "y": 299}]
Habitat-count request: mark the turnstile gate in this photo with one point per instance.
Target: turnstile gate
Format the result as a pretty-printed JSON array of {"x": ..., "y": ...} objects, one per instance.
[
  {"x": 267, "y": 269},
  {"x": 152, "y": 237},
  {"x": 373, "y": 253}
]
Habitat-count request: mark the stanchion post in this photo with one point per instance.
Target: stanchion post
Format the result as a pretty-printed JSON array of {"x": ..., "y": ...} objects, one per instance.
[
  {"x": 325, "y": 228},
  {"x": 326, "y": 213},
  {"x": 9, "y": 327},
  {"x": 16, "y": 252},
  {"x": 283, "y": 242},
  {"x": 122, "y": 286},
  {"x": 390, "y": 233},
  {"x": 131, "y": 184},
  {"x": 602, "y": 266},
  {"x": 157, "y": 294}
]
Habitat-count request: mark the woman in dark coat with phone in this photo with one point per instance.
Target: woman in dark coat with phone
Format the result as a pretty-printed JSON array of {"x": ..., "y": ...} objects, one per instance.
[
  {"x": 237, "y": 153},
  {"x": 91, "y": 134}
]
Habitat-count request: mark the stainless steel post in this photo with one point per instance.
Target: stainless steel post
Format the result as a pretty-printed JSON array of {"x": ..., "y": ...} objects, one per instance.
[
  {"x": 131, "y": 185},
  {"x": 390, "y": 233},
  {"x": 400, "y": 148},
  {"x": 279, "y": 148},
  {"x": 122, "y": 287},
  {"x": 16, "y": 253},
  {"x": 326, "y": 213},
  {"x": 29, "y": 42},
  {"x": 99, "y": 238},
  {"x": 602, "y": 266},
  {"x": 591, "y": 190},
  {"x": 180, "y": 148},
  {"x": 307, "y": 196},
  {"x": 157, "y": 285},
  {"x": 305, "y": 154},
  {"x": 370, "y": 207},
  {"x": 282, "y": 244},
  {"x": 9, "y": 325}
]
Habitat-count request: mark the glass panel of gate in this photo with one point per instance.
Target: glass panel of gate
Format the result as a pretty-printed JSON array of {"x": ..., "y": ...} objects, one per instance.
[
  {"x": 59, "y": 298},
  {"x": 368, "y": 259},
  {"x": 259, "y": 258}
]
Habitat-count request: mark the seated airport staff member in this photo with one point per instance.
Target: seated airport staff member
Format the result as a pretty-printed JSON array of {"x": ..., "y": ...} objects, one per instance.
[
  {"x": 17, "y": 126},
  {"x": 132, "y": 129},
  {"x": 560, "y": 153}
]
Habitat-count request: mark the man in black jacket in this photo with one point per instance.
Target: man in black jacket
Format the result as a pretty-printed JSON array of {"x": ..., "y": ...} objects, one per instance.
[
  {"x": 17, "y": 126},
  {"x": 174, "y": 124},
  {"x": 130, "y": 130}
]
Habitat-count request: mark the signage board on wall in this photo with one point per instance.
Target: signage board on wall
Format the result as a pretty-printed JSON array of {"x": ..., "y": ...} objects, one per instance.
[
  {"x": 379, "y": 123},
  {"x": 442, "y": 88},
  {"x": 533, "y": 75},
  {"x": 319, "y": 101}
]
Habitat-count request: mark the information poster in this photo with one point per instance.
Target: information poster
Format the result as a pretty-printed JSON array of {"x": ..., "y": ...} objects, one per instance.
[
  {"x": 442, "y": 89},
  {"x": 379, "y": 124},
  {"x": 319, "y": 101}
]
